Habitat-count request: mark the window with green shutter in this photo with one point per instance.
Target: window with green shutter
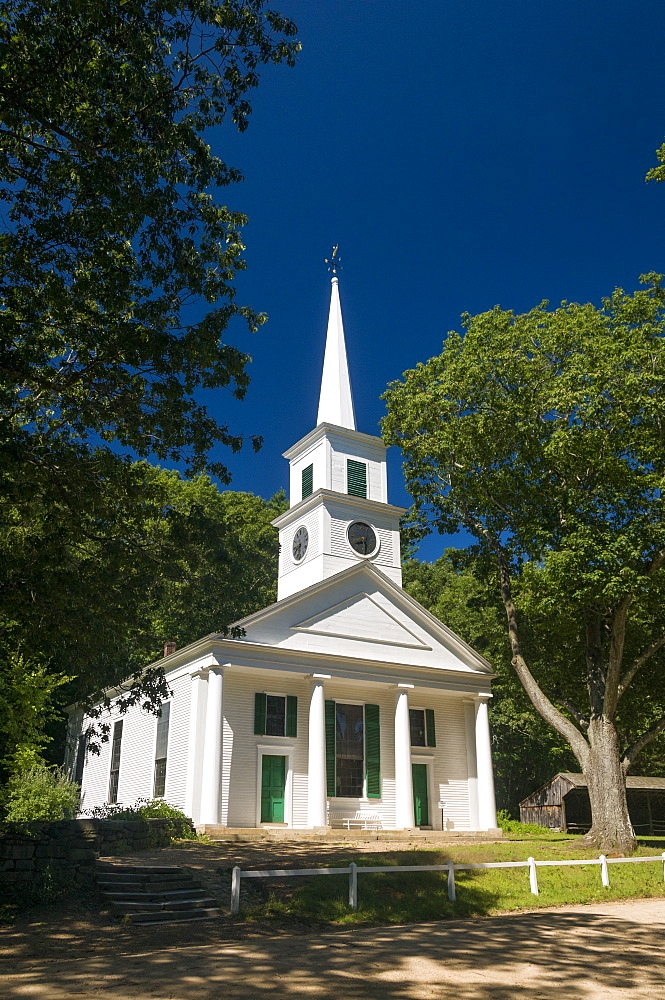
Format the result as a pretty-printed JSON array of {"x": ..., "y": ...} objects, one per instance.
[
  {"x": 356, "y": 478},
  {"x": 260, "y": 705},
  {"x": 330, "y": 748},
  {"x": 291, "y": 715},
  {"x": 423, "y": 732},
  {"x": 161, "y": 750},
  {"x": 307, "y": 478},
  {"x": 372, "y": 752},
  {"x": 429, "y": 725},
  {"x": 275, "y": 714}
]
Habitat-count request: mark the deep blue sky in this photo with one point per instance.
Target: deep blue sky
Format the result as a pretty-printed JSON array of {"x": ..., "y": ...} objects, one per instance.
[{"x": 463, "y": 153}]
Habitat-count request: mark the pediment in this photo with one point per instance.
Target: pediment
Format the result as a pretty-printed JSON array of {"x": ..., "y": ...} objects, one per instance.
[{"x": 360, "y": 617}]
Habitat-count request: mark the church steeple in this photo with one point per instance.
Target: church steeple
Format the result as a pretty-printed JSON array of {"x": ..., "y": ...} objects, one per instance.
[
  {"x": 335, "y": 400},
  {"x": 339, "y": 514}
]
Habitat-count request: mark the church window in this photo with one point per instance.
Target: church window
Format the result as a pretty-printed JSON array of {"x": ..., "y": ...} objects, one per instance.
[
  {"x": 275, "y": 714},
  {"x": 81, "y": 748},
  {"x": 161, "y": 749},
  {"x": 307, "y": 481},
  {"x": 353, "y": 750},
  {"x": 423, "y": 732},
  {"x": 356, "y": 478},
  {"x": 114, "y": 777}
]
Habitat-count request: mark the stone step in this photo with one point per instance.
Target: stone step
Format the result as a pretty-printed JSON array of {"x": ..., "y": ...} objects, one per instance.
[
  {"x": 137, "y": 875},
  {"x": 174, "y": 884},
  {"x": 112, "y": 866},
  {"x": 168, "y": 905},
  {"x": 155, "y": 897},
  {"x": 183, "y": 917}
]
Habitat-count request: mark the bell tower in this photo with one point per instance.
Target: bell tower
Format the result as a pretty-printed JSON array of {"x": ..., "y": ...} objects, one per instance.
[{"x": 339, "y": 513}]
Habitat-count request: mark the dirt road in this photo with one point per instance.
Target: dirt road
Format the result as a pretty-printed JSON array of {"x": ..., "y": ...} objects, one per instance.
[{"x": 603, "y": 952}]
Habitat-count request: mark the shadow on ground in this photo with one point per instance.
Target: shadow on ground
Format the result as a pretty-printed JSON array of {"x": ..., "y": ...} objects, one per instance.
[{"x": 579, "y": 955}]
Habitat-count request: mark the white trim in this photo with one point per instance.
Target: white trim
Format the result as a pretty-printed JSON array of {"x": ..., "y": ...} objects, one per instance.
[
  {"x": 428, "y": 761},
  {"x": 169, "y": 734},
  {"x": 279, "y": 750}
]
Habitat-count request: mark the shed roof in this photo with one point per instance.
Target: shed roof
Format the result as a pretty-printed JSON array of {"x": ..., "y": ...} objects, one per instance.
[{"x": 579, "y": 781}]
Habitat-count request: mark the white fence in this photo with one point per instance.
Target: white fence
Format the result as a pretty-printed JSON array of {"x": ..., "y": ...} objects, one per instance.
[{"x": 450, "y": 867}]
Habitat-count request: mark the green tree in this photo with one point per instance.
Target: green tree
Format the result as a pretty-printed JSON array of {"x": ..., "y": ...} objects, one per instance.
[
  {"x": 542, "y": 435},
  {"x": 525, "y": 750},
  {"x": 92, "y": 595},
  {"x": 117, "y": 263}
]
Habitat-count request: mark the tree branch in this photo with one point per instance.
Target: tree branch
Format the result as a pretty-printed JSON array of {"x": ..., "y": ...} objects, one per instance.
[
  {"x": 571, "y": 707},
  {"x": 617, "y": 641},
  {"x": 640, "y": 743},
  {"x": 639, "y": 662}
]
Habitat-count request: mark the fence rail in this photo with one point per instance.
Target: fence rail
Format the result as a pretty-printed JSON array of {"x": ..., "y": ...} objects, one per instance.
[{"x": 353, "y": 870}]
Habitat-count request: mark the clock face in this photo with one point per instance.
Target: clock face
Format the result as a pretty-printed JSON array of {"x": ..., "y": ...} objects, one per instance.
[
  {"x": 300, "y": 543},
  {"x": 362, "y": 538}
]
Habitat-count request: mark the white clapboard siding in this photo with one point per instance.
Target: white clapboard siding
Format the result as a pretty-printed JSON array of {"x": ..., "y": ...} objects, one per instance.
[
  {"x": 450, "y": 762},
  {"x": 240, "y": 769},
  {"x": 178, "y": 746},
  {"x": 137, "y": 759},
  {"x": 312, "y": 523}
]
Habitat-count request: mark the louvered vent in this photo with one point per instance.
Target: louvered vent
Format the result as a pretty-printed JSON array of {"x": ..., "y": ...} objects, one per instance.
[
  {"x": 307, "y": 481},
  {"x": 356, "y": 478}
]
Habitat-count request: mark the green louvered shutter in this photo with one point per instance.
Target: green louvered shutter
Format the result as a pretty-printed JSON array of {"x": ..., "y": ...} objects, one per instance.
[
  {"x": 307, "y": 481},
  {"x": 372, "y": 752},
  {"x": 260, "y": 702},
  {"x": 291, "y": 715},
  {"x": 429, "y": 726},
  {"x": 356, "y": 478},
  {"x": 330, "y": 747}
]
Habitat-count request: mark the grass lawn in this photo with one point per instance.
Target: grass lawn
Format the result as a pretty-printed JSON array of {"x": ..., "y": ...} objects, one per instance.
[{"x": 404, "y": 897}]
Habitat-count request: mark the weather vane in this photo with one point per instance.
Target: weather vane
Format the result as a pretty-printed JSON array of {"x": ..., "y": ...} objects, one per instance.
[{"x": 334, "y": 262}]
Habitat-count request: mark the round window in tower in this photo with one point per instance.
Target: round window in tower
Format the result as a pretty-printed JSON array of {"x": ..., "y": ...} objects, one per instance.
[
  {"x": 300, "y": 543},
  {"x": 362, "y": 538}
]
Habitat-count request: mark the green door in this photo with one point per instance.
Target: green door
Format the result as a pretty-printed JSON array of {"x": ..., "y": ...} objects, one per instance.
[
  {"x": 420, "y": 800},
  {"x": 273, "y": 783}
]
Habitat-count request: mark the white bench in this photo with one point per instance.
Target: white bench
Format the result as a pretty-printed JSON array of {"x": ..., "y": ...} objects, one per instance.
[{"x": 361, "y": 820}]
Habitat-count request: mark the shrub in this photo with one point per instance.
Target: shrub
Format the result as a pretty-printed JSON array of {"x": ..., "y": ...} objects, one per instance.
[
  {"x": 180, "y": 825},
  {"x": 513, "y": 826},
  {"x": 39, "y": 792}
]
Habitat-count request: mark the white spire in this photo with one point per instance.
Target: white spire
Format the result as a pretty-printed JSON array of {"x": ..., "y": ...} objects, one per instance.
[{"x": 335, "y": 402}]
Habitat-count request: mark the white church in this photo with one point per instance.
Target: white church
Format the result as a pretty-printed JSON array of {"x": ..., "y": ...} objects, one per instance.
[{"x": 345, "y": 703}]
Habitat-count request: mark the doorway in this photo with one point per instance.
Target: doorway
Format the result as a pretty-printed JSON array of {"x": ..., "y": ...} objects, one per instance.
[
  {"x": 273, "y": 788},
  {"x": 420, "y": 794}
]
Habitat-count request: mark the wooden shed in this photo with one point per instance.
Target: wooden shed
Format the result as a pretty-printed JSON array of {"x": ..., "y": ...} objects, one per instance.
[{"x": 563, "y": 804}]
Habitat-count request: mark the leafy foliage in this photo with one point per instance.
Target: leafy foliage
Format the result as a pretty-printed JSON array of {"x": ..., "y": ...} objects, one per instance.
[
  {"x": 180, "y": 825},
  {"x": 113, "y": 233},
  {"x": 39, "y": 792},
  {"x": 541, "y": 434},
  {"x": 117, "y": 264},
  {"x": 525, "y": 750}
]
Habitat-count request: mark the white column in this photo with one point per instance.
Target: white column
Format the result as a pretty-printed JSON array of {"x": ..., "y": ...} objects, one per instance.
[
  {"x": 404, "y": 817},
  {"x": 212, "y": 749},
  {"x": 197, "y": 702},
  {"x": 486, "y": 803},
  {"x": 471, "y": 765},
  {"x": 316, "y": 765}
]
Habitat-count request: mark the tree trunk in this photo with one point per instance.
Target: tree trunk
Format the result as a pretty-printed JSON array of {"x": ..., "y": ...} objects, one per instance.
[{"x": 611, "y": 829}]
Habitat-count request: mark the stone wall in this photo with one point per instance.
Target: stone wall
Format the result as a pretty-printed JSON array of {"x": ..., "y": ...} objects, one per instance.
[{"x": 43, "y": 860}]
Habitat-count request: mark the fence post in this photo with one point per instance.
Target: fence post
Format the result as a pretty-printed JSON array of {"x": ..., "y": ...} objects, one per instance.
[
  {"x": 533, "y": 878},
  {"x": 235, "y": 891},
  {"x": 663, "y": 857},
  {"x": 452, "y": 895},
  {"x": 604, "y": 874},
  {"x": 353, "y": 885}
]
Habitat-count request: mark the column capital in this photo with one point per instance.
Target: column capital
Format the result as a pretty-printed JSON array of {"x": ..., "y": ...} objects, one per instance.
[
  {"x": 402, "y": 687},
  {"x": 320, "y": 677}
]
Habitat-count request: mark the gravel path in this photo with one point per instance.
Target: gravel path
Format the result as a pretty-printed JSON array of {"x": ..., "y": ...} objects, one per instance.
[{"x": 613, "y": 951}]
